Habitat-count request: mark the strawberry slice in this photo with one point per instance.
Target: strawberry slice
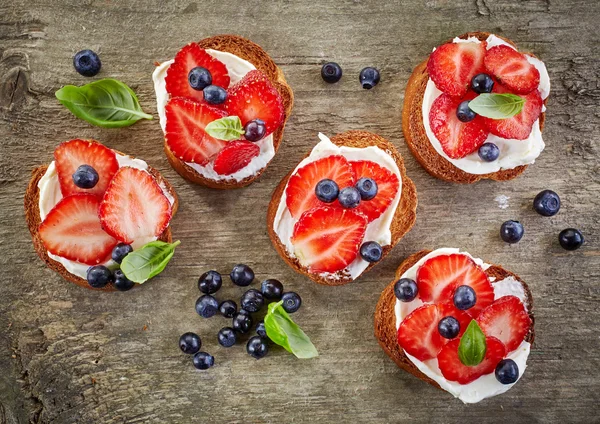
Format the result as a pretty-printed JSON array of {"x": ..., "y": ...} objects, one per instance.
[
  {"x": 326, "y": 239},
  {"x": 447, "y": 309},
  {"x": 454, "y": 370},
  {"x": 452, "y": 66},
  {"x": 439, "y": 276},
  {"x": 72, "y": 230},
  {"x": 186, "y": 59},
  {"x": 254, "y": 97},
  {"x": 185, "y": 134},
  {"x": 235, "y": 156},
  {"x": 70, "y": 155},
  {"x": 507, "y": 320},
  {"x": 418, "y": 334},
  {"x": 134, "y": 206},
  {"x": 458, "y": 139},
  {"x": 387, "y": 187},
  {"x": 512, "y": 69},
  {"x": 300, "y": 191}
]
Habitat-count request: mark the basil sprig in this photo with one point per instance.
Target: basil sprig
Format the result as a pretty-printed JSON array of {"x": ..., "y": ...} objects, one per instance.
[
  {"x": 107, "y": 103},
  {"x": 286, "y": 333},
  {"x": 497, "y": 106},
  {"x": 148, "y": 261},
  {"x": 472, "y": 346},
  {"x": 228, "y": 128}
]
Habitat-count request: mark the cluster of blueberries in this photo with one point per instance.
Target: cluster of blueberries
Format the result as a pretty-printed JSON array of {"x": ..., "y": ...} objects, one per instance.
[
  {"x": 252, "y": 301},
  {"x": 369, "y": 77},
  {"x": 99, "y": 276}
]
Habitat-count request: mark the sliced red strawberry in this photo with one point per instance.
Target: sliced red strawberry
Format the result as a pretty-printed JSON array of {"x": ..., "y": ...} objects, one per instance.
[
  {"x": 418, "y": 334},
  {"x": 447, "y": 309},
  {"x": 70, "y": 155},
  {"x": 235, "y": 156},
  {"x": 185, "y": 134},
  {"x": 507, "y": 320},
  {"x": 512, "y": 69},
  {"x": 255, "y": 97},
  {"x": 72, "y": 230},
  {"x": 454, "y": 370},
  {"x": 439, "y": 276},
  {"x": 452, "y": 66},
  {"x": 300, "y": 191},
  {"x": 134, "y": 206},
  {"x": 387, "y": 187},
  {"x": 326, "y": 239},
  {"x": 185, "y": 60},
  {"x": 458, "y": 139}
]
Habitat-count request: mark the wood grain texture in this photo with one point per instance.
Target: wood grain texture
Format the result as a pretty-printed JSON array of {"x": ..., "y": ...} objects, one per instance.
[{"x": 71, "y": 355}]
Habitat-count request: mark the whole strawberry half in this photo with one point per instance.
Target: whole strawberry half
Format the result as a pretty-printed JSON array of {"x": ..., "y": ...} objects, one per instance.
[
  {"x": 387, "y": 187},
  {"x": 454, "y": 370},
  {"x": 235, "y": 156},
  {"x": 512, "y": 69},
  {"x": 507, "y": 320}
]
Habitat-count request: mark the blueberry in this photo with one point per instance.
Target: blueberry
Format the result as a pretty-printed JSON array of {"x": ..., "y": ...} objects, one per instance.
[
  {"x": 120, "y": 251},
  {"x": 406, "y": 289},
  {"x": 349, "y": 197},
  {"x": 190, "y": 343},
  {"x": 199, "y": 78},
  {"x": 488, "y": 152},
  {"x": 482, "y": 83},
  {"x": 371, "y": 251},
  {"x": 214, "y": 94},
  {"x": 511, "y": 231},
  {"x": 242, "y": 322},
  {"x": 331, "y": 72},
  {"x": 242, "y": 275},
  {"x": 252, "y": 300},
  {"x": 203, "y": 360},
  {"x": 327, "y": 190},
  {"x": 271, "y": 289},
  {"x": 257, "y": 347},
  {"x": 291, "y": 302},
  {"x": 99, "y": 276},
  {"x": 85, "y": 177},
  {"x": 464, "y": 113},
  {"x": 122, "y": 283},
  {"x": 570, "y": 239},
  {"x": 261, "y": 330},
  {"x": 546, "y": 203},
  {"x": 207, "y": 306},
  {"x": 367, "y": 187},
  {"x": 464, "y": 297},
  {"x": 255, "y": 130},
  {"x": 226, "y": 337},
  {"x": 507, "y": 371},
  {"x": 210, "y": 282},
  {"x": 449, "y": 327},
  {"x": 228, "y": 308},
  {"x": 369, "y": 77},
  {"x": 87, "y": 63}
]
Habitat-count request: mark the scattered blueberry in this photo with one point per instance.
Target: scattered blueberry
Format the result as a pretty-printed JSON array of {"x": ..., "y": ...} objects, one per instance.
[
  {"x": 99, "y": 276},
  {"x": 226, "y": 337},
  {"x": 252, "y": 300},
  {"x": 331, "y": 72},
  {"x": 464, "y": 297},
  {"x": 210, "y": 282},
  {"x": 242, "y": 321},
  {"x": 203, "y": 360},
  {"x": 85, "y": 177},
  {"x": 199, "y": 78},
  {"x": 406, "y": 289},
  {"x": 369, "y": 77},
  {"x": 464, "y": 113},
  {"x": 242, "y": 275},
  {"x": 228, "y": 308},
  {"x": 214, "y": 94},
  {"x": 327, "y": 190},
  {"x": 243, "y": 311},
  {"x": 507, "y": 371},
  {"x": 122, "y": 283},
  {"x": 120, "y": 251},
  {"x": 546, "y": 203},
  {"x": 349, "y": 197},
  {"x": 570, "y": 239},
  {"x": 367, "y": 187},
  {"x": 291, "y": 302},
  {"x": 371, "y": 251},
  {"x": 482, "y": 83},
  {"x": 511, "y": 231},
  {"x": 255, "y": 130},
  {"x": 261, "y": 330},
  {"x": 257, "y": 347},
  {"x": 488, "y": 152},
  {"x": 190, "y": 343},
  {"x": 449, "y": 327},
  {"x": 87, "y": 63},
  {"x": 271, "y": 289},
  {"x": 207, "y": 306}
]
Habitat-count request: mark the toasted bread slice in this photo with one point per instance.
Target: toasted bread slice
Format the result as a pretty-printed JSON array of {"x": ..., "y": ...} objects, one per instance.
[
  {"x": 419, "y": 144},
  {"x": 32, "y": 216},
  {"x": 385, "y": 316},
  {"x": 254, "y": 54},
  {"x": 404, "y": 218}
]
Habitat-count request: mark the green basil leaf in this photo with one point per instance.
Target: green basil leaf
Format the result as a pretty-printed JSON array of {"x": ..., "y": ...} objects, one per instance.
[
  {"x": 106, "y": 103},
  {"x": 472, "y": 346},
  {"x": 227, "y": 128},
  {"x": 286, "y": 333},
  {"x": 497, "y": 106},
  {"x": 148, "y": 261}
]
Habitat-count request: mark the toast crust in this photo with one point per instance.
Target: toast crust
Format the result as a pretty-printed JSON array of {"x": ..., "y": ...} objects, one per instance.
[
  {"x": 32, "y": 216},
  {"x": 254, "y": 54},
  {"x": 385, "y": 316},
  {"x": 418, "y": 142},
  {"x": 404, "y": 218}
]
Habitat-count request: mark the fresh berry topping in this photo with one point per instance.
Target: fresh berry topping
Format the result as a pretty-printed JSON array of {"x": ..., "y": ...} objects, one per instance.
[
  {"x": 327, "y": 190},
  {"x": 458, "y": 139},
  {"x": 387, "y": 187},
  {"x": 546, "y": 203},
  {"x": 464, "y": 113},
  {"x": 185, "y": 133},
  {"x": 369, "y": 77},
  {"x": 242, "y": 275},
  {"x": 99, "y": 276},
  {"x": 190, "y": 343},
  {"x": 261, "y": 330},
  {"x": 242, "y": 321},
  {"x": 507, "y": 320},
  {"x": 449, "y": 327},
  {"x": 512, "y": 69},
  {"x": 570, "y": 239},
  {"x": 120, "y": 251},
  {"x": 507, "y": 371},
  {"x": 235, "y": 156},
  {"x": 252, "y": 300},
  {"x": 367, "y": 187},
  {"x": 206, "y": 306},
  {"x": 70, "y": 155},
  {"x": 188, "y": 58},
  {"x": 452, "y": 66},
  {"x": 199, "y": 78},
  {"x": 203, "y": 360},
  {"x": 300, "y": 191},
  {"x": 134, "y": 206},
  {"x": 349, "y": 197},
  {"x": 72, "y": 230},
  {"x": 291, "y": 302},
  {"x": 331, "y": 72},
  {"x": 255, "y": 130},
  {"x": 464, "y": 298},
  {"x": 454, "y": 370},
  {"x": 439, "y": 277},
  {"x": 482, "y": 83},
  {"x": 226, "y": 337},
  {"x": 271, "y": 289},
  {"x": 87, "y": 63},
  {"x": 214, "y": 94},
  {"x": 228, "y": 308},
  {"x": 371, "y": 251},
  {"x": 406, "y": 290},
  {"x": 488, "y": 152},
  {"x": 85, "y": 177},
  {"x": 418, "y": 334},
  {"x": 122, "y": 283},
  {"x": 511, "y": 231},
  {"x": 254, "y": 97},
  {"x": 210, "y": 282},
  {"x": 327, "y": 239},
  {"x": 257, "y": 347},
  {"x": 448, "y": 309}
]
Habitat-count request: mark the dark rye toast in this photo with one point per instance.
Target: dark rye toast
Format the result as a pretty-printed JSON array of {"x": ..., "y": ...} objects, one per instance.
[
  {"x": 419, "y": 144},
  {"x": 254, "y": 54},
  {"x": 404, "y": 218},
  {"x": 385, "y": 317}
]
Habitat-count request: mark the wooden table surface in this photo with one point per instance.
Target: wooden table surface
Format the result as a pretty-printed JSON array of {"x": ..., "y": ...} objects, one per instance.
[{"x": 72, "y": 355}]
